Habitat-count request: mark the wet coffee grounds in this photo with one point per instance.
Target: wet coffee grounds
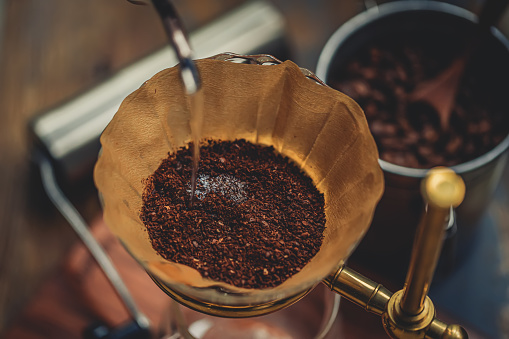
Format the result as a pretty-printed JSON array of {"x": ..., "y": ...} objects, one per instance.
[
  {"x": 256, "y": 219},
  {"x": 381, "y": 76}
]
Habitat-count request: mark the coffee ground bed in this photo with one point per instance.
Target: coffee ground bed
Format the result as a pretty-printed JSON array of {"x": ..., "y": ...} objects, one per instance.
[{"x": 255, "y": 220}]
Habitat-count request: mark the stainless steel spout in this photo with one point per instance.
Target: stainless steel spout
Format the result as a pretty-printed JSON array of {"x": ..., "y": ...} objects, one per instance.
[{"x": 178, "y": 37}]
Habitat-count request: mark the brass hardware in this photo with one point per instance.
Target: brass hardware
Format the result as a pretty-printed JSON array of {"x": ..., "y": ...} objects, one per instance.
[
  {"x": 229, "y": 311},
  {"x": 375, "y": 298},
  {"x": 399, "y": 324},
  {"x": 360, "y": 290},
  {"x": 442, "y": 189},
  {"x": 410, "y": 313},
  {"x": 438, "y": 329}
]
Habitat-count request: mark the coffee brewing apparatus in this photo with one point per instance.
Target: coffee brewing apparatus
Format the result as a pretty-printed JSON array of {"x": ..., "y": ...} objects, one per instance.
[{"x": 407, "y": 313}]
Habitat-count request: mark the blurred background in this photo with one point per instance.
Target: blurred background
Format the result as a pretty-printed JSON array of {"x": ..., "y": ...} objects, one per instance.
[{"x": 53, "y": 51}]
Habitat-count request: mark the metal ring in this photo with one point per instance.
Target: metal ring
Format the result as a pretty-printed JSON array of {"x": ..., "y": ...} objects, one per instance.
[{"x": 264, "y": 59}]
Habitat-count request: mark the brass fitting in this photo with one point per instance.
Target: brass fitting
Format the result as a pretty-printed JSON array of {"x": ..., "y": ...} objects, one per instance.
[
  {"x": 399, "y": 324},
  {"x": 442, "y": 189}
]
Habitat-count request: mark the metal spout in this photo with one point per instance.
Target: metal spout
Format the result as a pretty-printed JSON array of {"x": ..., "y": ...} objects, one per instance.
[{"x": 179, "y": 39}]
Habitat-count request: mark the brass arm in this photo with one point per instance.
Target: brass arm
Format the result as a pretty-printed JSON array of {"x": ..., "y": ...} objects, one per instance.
[
  {"x": 441, "y": 189},
  {"x": 366, "y": 293}
]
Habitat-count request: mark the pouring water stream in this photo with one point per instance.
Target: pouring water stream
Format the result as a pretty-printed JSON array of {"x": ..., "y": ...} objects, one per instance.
[{"x": 189, "y": 72}]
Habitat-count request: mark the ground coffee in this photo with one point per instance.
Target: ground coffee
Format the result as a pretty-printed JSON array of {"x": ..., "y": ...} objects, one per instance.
[
  {"x": 255, "y": 221},
  {"x": 380, "y": 77}
]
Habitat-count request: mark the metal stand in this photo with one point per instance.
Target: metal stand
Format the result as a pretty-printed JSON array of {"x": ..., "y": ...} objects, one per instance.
[{"x": 139, "y": 328}]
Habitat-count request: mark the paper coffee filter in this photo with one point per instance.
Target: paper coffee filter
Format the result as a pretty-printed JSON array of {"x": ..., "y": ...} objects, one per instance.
[{"x": 320, "y": 129}]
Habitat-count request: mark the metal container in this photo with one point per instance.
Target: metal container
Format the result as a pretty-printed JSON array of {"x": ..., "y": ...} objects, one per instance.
[{"x": 386, "y": 246}]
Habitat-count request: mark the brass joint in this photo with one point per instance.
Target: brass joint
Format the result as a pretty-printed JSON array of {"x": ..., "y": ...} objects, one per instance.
[
  {"x": 399, "y": 324},
  {"x": 402, "y": 325}
]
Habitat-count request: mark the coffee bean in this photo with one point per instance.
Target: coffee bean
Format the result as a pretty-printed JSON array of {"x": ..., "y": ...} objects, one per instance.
[
  {"x": 430, "y": 134},
  {"x": 454, "y": 145},
  {"x": 360, "y": 87}
]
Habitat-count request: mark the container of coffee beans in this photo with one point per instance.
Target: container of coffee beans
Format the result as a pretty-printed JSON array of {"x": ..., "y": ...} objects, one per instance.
[{"x": 378, "y": 58}]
